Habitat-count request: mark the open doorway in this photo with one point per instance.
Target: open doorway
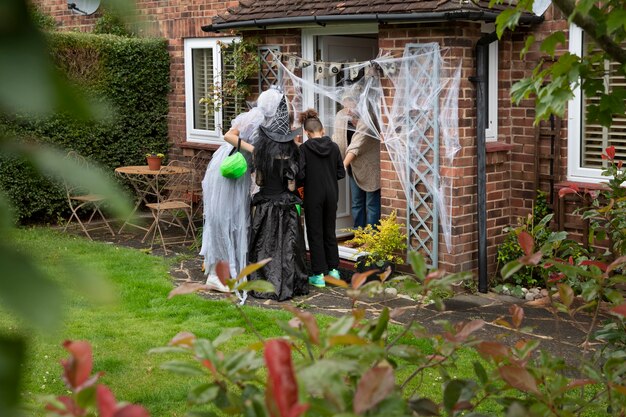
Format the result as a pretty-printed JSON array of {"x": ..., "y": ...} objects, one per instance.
[{"x": 341, "y": 48}]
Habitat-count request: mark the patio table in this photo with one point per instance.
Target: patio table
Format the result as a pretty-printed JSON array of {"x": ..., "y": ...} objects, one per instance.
[{"x": 144, "y": 181}]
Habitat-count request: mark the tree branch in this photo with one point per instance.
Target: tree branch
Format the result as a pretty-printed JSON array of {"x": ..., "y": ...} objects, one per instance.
[{"x": 589, "y": 25}]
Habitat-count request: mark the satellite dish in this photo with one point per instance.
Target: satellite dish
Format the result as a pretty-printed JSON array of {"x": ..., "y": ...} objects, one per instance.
[
  {"x": 540, "y": 6},
  {"x": 84, "y": 7}
]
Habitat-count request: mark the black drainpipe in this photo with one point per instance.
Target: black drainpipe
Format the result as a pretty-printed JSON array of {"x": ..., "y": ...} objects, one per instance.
[{"x": 480, "y": 80}]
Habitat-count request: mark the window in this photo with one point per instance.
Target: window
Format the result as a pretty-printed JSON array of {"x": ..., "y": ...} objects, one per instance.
[
  {"x": 587, "y": 141},
  {"x": 204, "y": 66},
  {"x": 491, "y": 132}
]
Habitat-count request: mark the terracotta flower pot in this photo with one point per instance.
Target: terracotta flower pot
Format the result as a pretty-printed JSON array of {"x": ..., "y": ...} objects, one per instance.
[{"x": 154, "y": 162}]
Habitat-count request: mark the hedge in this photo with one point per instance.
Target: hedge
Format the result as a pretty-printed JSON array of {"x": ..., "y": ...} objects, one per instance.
[{"x": 128, "y": 76}]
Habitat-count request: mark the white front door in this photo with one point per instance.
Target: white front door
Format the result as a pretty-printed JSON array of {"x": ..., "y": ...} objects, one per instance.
[{"x": 341, "y": 49}]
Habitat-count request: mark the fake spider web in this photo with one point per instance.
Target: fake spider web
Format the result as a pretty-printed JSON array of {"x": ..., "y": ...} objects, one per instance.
[{"x": 411, "y": 103}]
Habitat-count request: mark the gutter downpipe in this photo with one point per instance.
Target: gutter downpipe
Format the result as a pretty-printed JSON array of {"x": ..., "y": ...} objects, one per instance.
[
  {"x": 480, "y": 80},
  {"x": 486, "y": 16}
]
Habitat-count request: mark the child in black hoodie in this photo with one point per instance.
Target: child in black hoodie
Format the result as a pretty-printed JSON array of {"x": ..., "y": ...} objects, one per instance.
[{"x": 323, "y": 168}]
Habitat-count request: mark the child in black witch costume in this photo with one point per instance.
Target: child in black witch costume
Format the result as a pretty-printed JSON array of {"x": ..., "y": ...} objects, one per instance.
[{"x": 276, "y": 231}]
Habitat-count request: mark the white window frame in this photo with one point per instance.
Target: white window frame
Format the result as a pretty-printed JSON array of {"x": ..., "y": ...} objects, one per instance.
[
  {"x": 199, "y": 135},
  {"x": 575, "y": 172},
  {"x": 491, "y": 132}
]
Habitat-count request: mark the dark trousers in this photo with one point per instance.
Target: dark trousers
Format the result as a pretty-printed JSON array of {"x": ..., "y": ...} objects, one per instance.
[{"x": 321, "y": 219}]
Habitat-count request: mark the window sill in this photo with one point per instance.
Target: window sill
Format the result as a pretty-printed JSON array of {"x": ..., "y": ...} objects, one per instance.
[
  {"x": 497, "y": 147},
  {"x": 582, "y": 186},
  {"x": 199, "y": 146}
]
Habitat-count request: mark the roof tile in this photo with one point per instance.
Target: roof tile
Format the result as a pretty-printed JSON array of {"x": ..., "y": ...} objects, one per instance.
[{"x": 267, "y": 9}]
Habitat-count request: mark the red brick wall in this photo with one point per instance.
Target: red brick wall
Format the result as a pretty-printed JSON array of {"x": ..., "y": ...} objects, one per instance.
[{"x": 460, "y": 38}]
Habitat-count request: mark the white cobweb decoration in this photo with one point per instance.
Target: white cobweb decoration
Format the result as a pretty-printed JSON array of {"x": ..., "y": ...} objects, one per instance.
[{"x": 411, "y": 102}]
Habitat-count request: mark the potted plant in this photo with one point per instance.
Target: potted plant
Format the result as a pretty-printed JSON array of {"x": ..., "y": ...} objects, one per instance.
[
  {"x": 381, "y": 245},
  {"x": 154, "y": 160}
]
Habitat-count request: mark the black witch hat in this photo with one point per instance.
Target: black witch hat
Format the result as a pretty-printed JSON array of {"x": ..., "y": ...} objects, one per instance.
[{"x": 279, "y": 129}]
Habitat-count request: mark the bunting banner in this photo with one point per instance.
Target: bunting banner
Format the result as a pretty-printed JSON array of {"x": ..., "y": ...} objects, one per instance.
[{"x": 331, "y": 69}]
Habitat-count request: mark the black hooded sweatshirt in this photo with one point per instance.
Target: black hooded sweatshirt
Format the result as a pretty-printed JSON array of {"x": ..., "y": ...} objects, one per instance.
[{"x": 323, "y": 168}]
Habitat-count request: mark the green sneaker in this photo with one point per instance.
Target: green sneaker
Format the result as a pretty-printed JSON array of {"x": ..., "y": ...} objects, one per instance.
[
  {"x": 334, "y": 273},
  {"x": 317, "y": 280}
]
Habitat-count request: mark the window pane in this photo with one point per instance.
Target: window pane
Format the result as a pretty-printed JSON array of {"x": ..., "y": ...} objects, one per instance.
[
  {"x": 232, "y": 104},
  {"x": 202, "y": 61},
  {"x": 595, "y": 137}
]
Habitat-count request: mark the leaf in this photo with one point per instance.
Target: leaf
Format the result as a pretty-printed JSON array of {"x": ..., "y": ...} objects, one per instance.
[
  {"x": 468, "y": 329},
  {"x": 182, "y": 368},
  {"x": 519, "y": 378},
  {"x": 454, "y": 394},
  {"x": 619, "y": 310},
  {"x": 346, "y": 340},
  {"x": 310, "y": 324},
  {"x": 603, "y": 266},
  {"x": 12, "y": 352},
  {"x": 187, "y": 288},
  {"x": 183, "y": 339},
  {"x": 327, "y": 376},
  {"x": 341, "y": 326},
  {"x": 27, "y": 291},
  {"x": 105, "y": 400},
  {"x": 615, "y": 264},
  {"x": 480, "y": 372},
  {"x": 517, "y": 315},
  {"x": 253, "y": 267},
  {"x": 526, "y": 242},
  {"x": 282, "y": 387},
  {"x": 576, "y": 383},
  {"x": 374, "y": 386},
  {"x": 533, "y": 259},
  {"x": 77, "y": 368},
  {"x": 493, "y": 350},
  {"x": 258, "y": 285},
  {"x": 424, "y": 407},
  {"x": 336, "y": 282},
  {"x": 507, "y": 19},
  {"x": 530, "y": 40},
  {"x": 418, "y": 264},
  {"x": 565, "y": 191},
  {"x": 510, "y": 268},
  {"x": 616, "y": 20},
  {"x": 227, "y": 334},
  {"x": 549, "y": 44},
  {"x": 566, "y": 293},
  {"x": 381, "y": 325},
  {"x": 203, "y": 394},
  {"x": 132, "y": 410},
  {"x": 222, "y": 269},
  {"x": 359, "y": 279}
]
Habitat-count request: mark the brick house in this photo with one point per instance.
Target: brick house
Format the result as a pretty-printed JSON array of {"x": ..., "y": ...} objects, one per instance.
[{"x": 503, "y": 157}]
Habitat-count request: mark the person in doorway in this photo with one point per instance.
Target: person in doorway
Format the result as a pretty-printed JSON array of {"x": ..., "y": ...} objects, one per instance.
[
  {"x": 361, "y": 158},
  {"x": 323, "y": 168}
]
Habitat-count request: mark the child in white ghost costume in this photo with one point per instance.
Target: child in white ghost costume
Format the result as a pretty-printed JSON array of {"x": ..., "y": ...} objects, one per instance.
[{"x": 227, "y": 201}]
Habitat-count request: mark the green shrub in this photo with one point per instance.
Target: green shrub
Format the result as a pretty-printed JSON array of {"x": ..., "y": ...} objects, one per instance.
[
  {"x": 127, "y": 76},
  {"x": 383, "y": 242},
  {"x": 537, "y": 225}
]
